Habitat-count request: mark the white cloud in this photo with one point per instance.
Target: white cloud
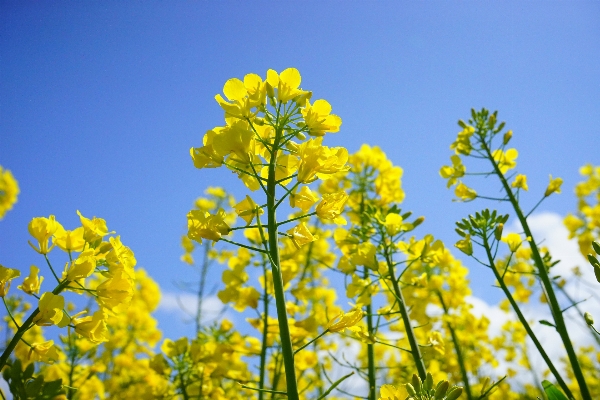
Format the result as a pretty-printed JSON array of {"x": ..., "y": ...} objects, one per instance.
[{"x": 187, "y": 304}]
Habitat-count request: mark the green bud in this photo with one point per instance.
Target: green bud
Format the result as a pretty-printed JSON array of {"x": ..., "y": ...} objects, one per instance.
[
  {"x": 498, "y": 231},
  {"x": 300, "y": 136},
  {"x": 454, "y": 393},
  {"x": 596, "y": 247},
  {"x": 410, "y": 389},
  {"x": 429, "y": 382},
  {"x": 507, "y": 137},
  {"x": 416, "y": 381},
  {"x": 588, "y": 318},
  {"x": 418, "y": 221},
  {"x": 441, "y": 390}
]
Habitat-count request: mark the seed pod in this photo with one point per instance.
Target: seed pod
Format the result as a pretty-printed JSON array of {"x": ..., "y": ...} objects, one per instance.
[
  {"x": 455, "y": 393},
  {"x": 441, "y": 390}
]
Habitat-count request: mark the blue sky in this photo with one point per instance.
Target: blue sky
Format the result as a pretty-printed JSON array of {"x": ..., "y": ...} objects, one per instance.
[{"x": 101, "y": 101}]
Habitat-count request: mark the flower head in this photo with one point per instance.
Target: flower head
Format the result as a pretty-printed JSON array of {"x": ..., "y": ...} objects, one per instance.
[
  {"x": 202, "y": 224},
  {"x": 51, "y": 311},
  {"x": 553, "y": 186},
  {"x": 32, "y": 283},
  {"x": 6, "y": 275},
  {"x": 300, "y": 235},
  {"x": 9, "y": 191},
  {"x": 42, "y": 229},
  {"x": 331, "y": 207},
  {"x": 318, "y": 118}
]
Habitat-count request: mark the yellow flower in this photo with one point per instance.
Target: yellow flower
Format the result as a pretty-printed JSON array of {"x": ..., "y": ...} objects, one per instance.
[
  {"x": 465, "y": 193},
  {"x": 553, "y": 186},
  {"x": 115, "y": 291},
  {"x": 45, "y": 352},
  {"x": 32, "y": 283},
  {"x": 520, "y": 182},
  {"x": 93, "y": 229},
  {"x": 365, "y": 255},
  {"x": 6, "y": 275},
  {"x": 319, "y": 120},
  {"x": 42, "y": 229},
  {"x": 505, "y": 160},
  {"x": 331, "y": 207},
  {"x": 247, "y": 209},
  {"x": 453, "y": 172},
  {"x": 92, "y": 327},
  {"x": 244, "y": 96},
  {"x": 465, "y": 245},
  {"x": 205, "y": 156},
  {"x": 303, "y": 199},
  {"x": 287, "y": 84},
  {"x": 345, "y": 320},
  {"x": 9, "y": 191},
  {"x": 300, "y": 235},
  {"x": 202, "y": 224},
  {"x": 236, "y": 139},
  {"x": 462, "y": 145},
  {"x": 175, "y": 348},
  {"x": 513, "y": 240},
  {"x": 317, "y": 161},
  {"x": 83, "y": 266},
  {"x": 51, "y": 311},
  {"x": 390, "y": 392},
  {"x": 69, "y": 240},
  {"x": 436, "y": 341}
]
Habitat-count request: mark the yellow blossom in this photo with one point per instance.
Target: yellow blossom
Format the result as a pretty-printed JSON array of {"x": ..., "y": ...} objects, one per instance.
[
  {"x": 318, "y": 161},
  {"x": 42, "y": 229},
  {"x": 287, "y": 84},
  {"x": 513, "y": 240},
  {"x": 93, "y": 229},
  {"x": 92, "y": 327},
  {"x": 115, "y": 291},
  {"x": 300, "y": 235},
  {"x": 69, "y": 240},
  {"x": 331, "y": 207},
  {"x": 318, "y": 118},
  {"x": 465, "y": 193},
  {"x": 9, "y": 191},
  {"x": 553, "y": 186},
  {"x": 505, "y": 160},
  {"x": 436, "y": 341},
  {"x": 453, "y": 172},
  {"x": 247, "y": 209},
  {"x": 32, "y": 283},
  {"x": 390, "y": 392},
  {"x": 6, "y": 275},
  {"x": 465, "y": 245},
  {"x": 51, "y": 311},
  {"x": 83, "y": 266},
  {"x": 303, "y": 199},
  {"x": 520, "y": 182},
  {"x": 202, "y": 224},
  {"x": 462, "y": 145},
  {"x": 45, "y": 352},
  {"x": 345, "y": 320}
]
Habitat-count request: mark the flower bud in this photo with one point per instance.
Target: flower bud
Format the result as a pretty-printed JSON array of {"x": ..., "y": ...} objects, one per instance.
[
  {"x": 498, "y": 231},
  {"x": 454, "y": 393},
  {"x": 507, "y": 137},
  {"x": 441, "y": 390},
  {"x": 410, "y": 389},
  {"x": 588, "y": 318},
  {"x": 270, "y": 90}
]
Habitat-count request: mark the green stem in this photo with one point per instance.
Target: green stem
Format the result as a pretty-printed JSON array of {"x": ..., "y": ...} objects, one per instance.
[
  {"x": 459, "y": 355},
  {"x": 522, "y": 318},
  {"x": 561, "y": 327},
  {"x": 263, "y": 349},
  {"x": 370, "y": 349},
  {"x": 204, "y": 271},
  {"x": 284, "y": 331},
  {"x": 412, "y": 339}
]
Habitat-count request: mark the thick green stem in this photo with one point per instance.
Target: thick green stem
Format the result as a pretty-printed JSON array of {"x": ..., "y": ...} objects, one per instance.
[
  {"x": 459, "y": 355},
  {"x": 263, "y": 349},
  {"x": 410, "y": 333},
  {"x": 370, "y": 349},
  {"x": 559, "y": 321},
  {"x": 284, "y": 331},
  {"x": 522, "y": 318}
]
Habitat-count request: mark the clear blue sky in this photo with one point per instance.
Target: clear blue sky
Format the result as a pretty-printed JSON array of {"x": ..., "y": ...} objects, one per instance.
[{"x": 101, "y": 101}]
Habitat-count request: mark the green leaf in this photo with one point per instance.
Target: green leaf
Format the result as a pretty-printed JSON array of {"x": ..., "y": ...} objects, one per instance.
[
  {"x": 547, "y": 323},
  {"x": 597, "y": 273},
  {"x": 553, "y": 392}
]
